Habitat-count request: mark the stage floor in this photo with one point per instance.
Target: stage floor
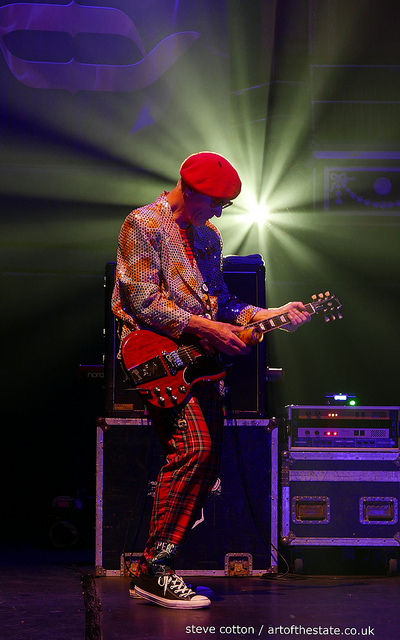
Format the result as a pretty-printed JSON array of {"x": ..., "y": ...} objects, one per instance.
[{"x": 42, "y": 598}]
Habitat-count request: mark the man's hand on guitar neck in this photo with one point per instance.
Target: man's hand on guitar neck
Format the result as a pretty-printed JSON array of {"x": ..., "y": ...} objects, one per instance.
[
  {"x": 224, "y": 336},
  {"x": 220, "y": 335},
  {"x": 295, "y": 311}
]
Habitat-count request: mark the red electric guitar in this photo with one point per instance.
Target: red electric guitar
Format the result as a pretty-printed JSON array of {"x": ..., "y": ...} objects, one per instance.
[{"x": 164, "y": 371}]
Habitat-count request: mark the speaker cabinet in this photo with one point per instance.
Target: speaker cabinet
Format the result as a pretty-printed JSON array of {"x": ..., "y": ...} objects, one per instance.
[
  {"x": 246, "y": 380},
  {"x": 245, "y": 278},
  {"x": 120, "y": 399}
]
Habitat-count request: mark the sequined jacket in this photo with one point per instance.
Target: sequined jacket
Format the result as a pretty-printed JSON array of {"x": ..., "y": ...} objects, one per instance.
[{"x": 156, "y": 285}]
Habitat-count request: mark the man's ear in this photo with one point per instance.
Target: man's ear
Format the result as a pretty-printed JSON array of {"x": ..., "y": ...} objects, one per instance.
[{"x": 184, "y": 188}]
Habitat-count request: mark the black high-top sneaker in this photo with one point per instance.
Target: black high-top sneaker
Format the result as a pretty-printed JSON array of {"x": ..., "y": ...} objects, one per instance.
[
  {"x": 163, "y": 586},
  {"x": 132, "y": 592}
]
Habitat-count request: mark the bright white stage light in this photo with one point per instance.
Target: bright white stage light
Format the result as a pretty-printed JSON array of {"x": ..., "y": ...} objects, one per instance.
[{"x": 258, "y": 214}]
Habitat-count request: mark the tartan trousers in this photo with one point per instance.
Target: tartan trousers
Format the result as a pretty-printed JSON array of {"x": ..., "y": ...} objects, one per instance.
[{"x": 192, "y": 442}]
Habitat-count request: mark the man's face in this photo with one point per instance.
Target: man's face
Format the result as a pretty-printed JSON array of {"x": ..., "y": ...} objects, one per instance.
[{"x": 200, "y": 208}]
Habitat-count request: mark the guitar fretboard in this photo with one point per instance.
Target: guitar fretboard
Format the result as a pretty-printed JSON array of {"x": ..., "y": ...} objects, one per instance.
[{"x": 278, "y": 321}]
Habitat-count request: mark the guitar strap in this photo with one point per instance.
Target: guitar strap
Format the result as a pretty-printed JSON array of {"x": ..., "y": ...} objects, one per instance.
[{"x": 204, "y": 300}]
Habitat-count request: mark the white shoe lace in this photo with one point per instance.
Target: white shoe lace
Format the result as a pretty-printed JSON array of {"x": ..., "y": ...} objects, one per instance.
[{"x": 176, "y": 584}]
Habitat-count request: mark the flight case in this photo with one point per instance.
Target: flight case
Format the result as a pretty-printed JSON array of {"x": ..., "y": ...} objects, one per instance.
[
  {"x": 237, "y": 531},
  {"x": 340, "y": 479}
]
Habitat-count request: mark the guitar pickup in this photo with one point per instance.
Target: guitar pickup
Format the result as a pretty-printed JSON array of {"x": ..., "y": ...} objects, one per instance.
[{"x": 174, "y": 361}]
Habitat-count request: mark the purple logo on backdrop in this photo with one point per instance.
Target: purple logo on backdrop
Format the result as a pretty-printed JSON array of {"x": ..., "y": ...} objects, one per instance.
[{"x": 76, "y": 76}]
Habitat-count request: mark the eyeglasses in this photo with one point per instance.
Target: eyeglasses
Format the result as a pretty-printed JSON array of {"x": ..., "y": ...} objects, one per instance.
[{"x": 216, "y": 204}]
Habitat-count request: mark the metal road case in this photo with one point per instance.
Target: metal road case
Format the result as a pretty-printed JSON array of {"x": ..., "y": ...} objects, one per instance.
[
  {"x": 340, "y": 478},
  {"x": 237, "y": 531},
  {"x": 341, "y": 498}
]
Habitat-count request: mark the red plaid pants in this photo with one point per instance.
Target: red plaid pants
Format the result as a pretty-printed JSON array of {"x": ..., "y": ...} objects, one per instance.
[{"x": 193, "y": 450}]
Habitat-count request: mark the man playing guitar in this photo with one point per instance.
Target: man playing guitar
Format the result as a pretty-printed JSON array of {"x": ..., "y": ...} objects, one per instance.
[{"x": 169, "y": 284}]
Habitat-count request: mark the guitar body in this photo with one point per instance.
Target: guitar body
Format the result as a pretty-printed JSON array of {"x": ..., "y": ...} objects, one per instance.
[{"x": 163, "y": 370}]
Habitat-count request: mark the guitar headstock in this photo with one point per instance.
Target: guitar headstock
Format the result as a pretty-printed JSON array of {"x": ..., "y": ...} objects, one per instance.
[{"x": 328, "y": 304}]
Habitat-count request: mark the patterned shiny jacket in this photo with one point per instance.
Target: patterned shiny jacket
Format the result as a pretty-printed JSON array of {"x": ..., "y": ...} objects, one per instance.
[{"x": 156, "y": 285}]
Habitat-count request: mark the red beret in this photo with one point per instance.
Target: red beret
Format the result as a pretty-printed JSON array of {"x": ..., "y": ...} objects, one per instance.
[{"x": 211, "y": 174}]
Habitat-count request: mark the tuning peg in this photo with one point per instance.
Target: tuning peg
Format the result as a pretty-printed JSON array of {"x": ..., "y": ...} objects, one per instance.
[
  {"x": 327, "y": 294},
  {"x": 339, "y": 315},
  {"x": 313, "y": 297},
  {"x": 326, "y": 318}
]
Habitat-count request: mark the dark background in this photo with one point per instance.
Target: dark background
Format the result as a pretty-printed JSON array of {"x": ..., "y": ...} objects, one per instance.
[{"x": 293, "y": 92}]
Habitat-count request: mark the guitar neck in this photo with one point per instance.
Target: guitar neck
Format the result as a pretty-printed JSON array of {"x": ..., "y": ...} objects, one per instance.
[{"x": 278, "y": 321}]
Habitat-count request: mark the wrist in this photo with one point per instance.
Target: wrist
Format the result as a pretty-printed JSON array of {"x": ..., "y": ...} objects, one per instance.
[
  {"x": 264, "y": 314},
  {"x": 199, "y": 326}
]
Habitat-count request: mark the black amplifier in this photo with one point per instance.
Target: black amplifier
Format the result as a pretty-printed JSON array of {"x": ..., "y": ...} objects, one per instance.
[
  {"x": 120, "y": 399},
  {"x": 246, "y": 380},
  {"x": 327, "y": 427}
]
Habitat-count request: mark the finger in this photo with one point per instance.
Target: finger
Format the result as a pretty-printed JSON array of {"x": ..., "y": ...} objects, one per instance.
[
  {"x": 298, "y": 317},
  {"x": 242, "y": 346},
  {"x": 239, "y": 345},
  {"x": 237, "y": 328}
]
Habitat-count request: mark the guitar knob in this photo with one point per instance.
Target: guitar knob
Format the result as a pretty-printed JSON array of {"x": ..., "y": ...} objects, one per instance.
[
  {"x": 182, "y": 389},
  {"x": 161, "y": 400},
  {"x": 157, "y": 391},
  {"x": 168, "y": 390},
  {"x": 174, "y": 399}
]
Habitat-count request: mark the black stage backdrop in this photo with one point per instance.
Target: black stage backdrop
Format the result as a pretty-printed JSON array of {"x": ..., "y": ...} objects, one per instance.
[{"x": 100, "y": 102}]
